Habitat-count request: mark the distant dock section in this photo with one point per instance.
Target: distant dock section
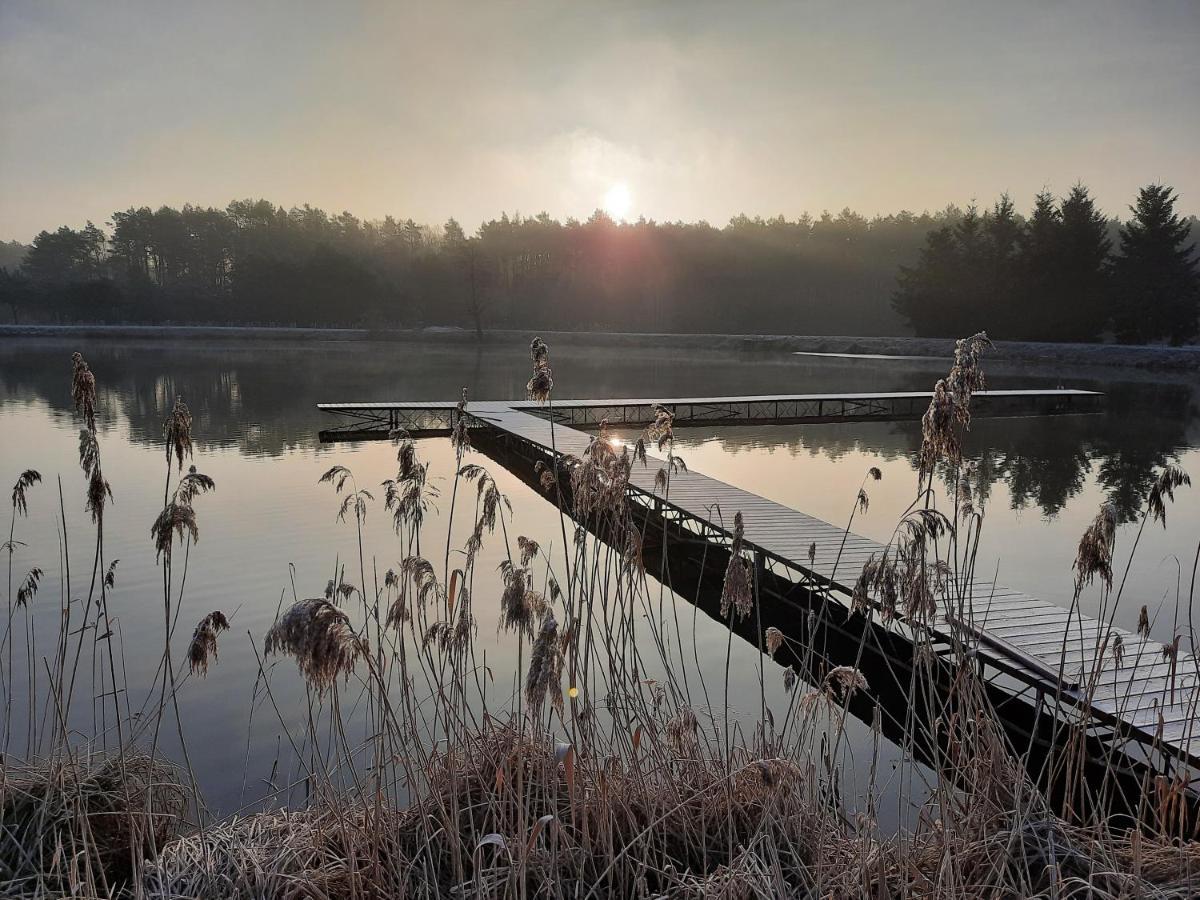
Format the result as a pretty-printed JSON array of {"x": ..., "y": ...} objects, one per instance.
[{"x": 373, "y": 420}]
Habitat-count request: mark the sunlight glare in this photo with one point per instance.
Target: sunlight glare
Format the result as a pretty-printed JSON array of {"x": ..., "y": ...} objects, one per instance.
[{"x": 618, "y": 201}]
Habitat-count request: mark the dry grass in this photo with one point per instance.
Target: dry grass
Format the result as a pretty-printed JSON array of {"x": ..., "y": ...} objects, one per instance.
[{"x": 83, "y": 825}]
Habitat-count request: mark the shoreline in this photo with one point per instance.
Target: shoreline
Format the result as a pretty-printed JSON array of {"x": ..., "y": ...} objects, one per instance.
[{"x": 1116, "y": 355}]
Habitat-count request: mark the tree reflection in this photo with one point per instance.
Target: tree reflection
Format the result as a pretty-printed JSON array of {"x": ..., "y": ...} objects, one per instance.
[{"x": 259, "y": 397}]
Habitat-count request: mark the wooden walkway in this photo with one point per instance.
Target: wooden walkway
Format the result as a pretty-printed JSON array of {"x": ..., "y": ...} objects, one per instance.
[
  {"x": 1144, "y": 699},
  {"x": 377, "y": 419}
]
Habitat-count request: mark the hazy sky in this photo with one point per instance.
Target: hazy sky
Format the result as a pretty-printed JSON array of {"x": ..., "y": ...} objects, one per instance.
[{"x": 703, "y": 110}]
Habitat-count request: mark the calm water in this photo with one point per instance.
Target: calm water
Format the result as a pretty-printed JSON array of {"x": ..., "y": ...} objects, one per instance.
[{"x": 270, "y": 524}]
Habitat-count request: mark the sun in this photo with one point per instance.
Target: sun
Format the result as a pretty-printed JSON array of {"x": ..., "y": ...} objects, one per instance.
[{"x": 618, "y": 201}]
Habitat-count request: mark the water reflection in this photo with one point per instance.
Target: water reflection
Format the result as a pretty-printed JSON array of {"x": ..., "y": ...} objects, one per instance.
[{"x": 259, "y": 398}]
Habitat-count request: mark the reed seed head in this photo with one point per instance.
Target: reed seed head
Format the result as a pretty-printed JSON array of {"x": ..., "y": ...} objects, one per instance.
[
  {"x": 204, "y": 641},
  {"x": 1163, "y": 491},
  {"x": 1095, "y": 554},
  {"x": 177, "y": 430},
  {"x": 545, "y": 667},
  {"x": 528, "y": 549},
  {"x": 774, "y": 640},
  {"x": 842, "y": 681},
  {"x": 175, "y": 519},
  {"x": 29, "y": 587},
  {"x": 318, "y": 636},
  {"x": 863, "y": 501},
  {"x": 460, "y": 437},
  {"x": 83, "y": 390},
  {"x": 737, "y": 593},
  {"x": 25, "y": 481},
  {"x": 542, "y": 382}
]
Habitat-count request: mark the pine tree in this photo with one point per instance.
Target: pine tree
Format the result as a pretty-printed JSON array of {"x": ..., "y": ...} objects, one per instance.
[
  {"x": 1156, "y": 285},
  {"x": 998, "y": 286},
  {"x": 927, "y": 293},
  {"x": 1083, "y": 249},
  {"x": 1038, "y": 251}
]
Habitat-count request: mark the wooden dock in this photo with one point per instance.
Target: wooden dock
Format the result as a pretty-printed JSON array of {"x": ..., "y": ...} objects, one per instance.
[
  {"x": 363, "y": 421},
  {"x": 1041, "y": 652}
]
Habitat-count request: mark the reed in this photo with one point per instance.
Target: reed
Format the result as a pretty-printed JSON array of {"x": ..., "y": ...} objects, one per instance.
[{"x": 612, "y": 767}]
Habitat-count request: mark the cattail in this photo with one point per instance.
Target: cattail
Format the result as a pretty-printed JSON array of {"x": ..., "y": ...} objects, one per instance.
[
  {"x": 774, "y": 640},
  {"x": 318, "y": 635},
  {"x": 1170, "y": 478},
  {"x": 29, "y": 587},
  {"x": 1118, "y": 649},
  {"x": 177, "y": 430},
  {"x": 1095, "y": 553},
  {"x": 545, "y": 667},
  {"x": 812, "y": 553},
  {"x": 1143, "y": 625},
  {"x": 27, "y": 479},
  {"x": 204, "y": 641},
  {"x": 542, "y": 382},
  {"x": 738, "y": 589}
]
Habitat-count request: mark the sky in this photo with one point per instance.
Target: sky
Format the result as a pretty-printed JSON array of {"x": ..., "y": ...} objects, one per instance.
[{"x": 670, "y": 110}]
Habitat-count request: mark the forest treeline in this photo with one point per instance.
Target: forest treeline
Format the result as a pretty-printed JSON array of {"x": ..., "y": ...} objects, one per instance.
[
  {"x": 1059, "y": 275},
  {"x": 255, "y": 262}
]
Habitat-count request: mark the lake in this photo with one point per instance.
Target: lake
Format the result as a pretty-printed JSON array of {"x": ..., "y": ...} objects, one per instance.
[{"x": 270, "y": 529}]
